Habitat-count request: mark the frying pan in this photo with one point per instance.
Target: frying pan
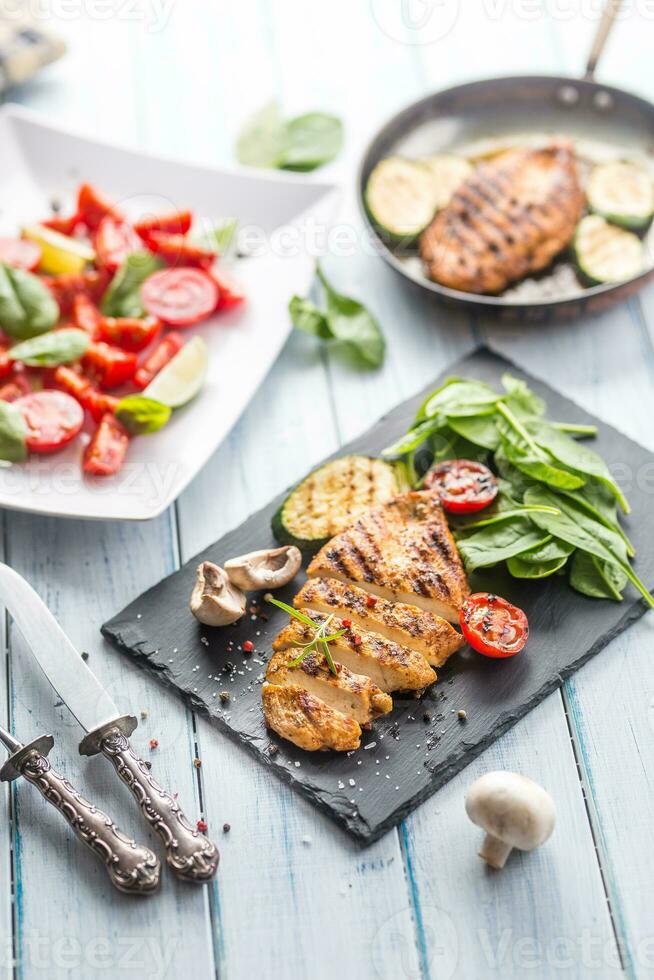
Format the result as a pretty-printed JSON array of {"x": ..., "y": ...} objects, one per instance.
[{"x": 496, "y": 107}]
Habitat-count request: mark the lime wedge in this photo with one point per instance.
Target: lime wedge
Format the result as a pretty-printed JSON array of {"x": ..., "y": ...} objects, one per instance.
[
  {"x": 181, "y": 379},
  {"x": 60, "y": 253}
]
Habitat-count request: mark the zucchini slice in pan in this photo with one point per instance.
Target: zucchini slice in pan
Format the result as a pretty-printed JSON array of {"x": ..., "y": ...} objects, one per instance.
[
  {"x": 332, "y": 497},
  {"x": 448, "y": 173},
  {"x": 623, "y": 193},
  {"x": 400, "y": 197},
  {"x": 606, "y": 253}
]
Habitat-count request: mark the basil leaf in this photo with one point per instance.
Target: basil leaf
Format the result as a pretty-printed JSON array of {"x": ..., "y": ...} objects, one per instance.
[
  {"x": 306, "y": 316},
  {"x": 123, "y": 297},
  {"x": 262, "y": 140},
  {"x": 595, "y": 578},
  {"x": 218, "y": 238},
  {"x": 50, "y": 349},
  {"x": 13, "y": 433},
  {"x": 310, "y": 141},
  {"x": 350, "y": 322},
  {"x": 141, "y": 415},
  {"x": 499, "y": 542},
  {"x": 27, "y": 307}
]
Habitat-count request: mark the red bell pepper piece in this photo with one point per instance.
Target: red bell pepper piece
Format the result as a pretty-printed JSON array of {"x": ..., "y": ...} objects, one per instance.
[
  {"x": 65, "y": 226},
  {"x": 163, "y": 352},
  {"x": 93, "y": 206},
  {"x": 108, "y": 366},
  {"x": 129, "y": 333},
  {"x": 177, "y": 223},
  {"x": 105, "y": 454}
]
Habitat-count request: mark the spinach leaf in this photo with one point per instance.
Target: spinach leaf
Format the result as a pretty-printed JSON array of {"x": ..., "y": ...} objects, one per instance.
[
  {"x": 261, "y": 141},
  {"x": 27, "y": 307},
  {"x": 520, "y": 397},
  {"x": 306, "y": 316},
  {"x": 548, "y": 559},
  {"x": 536, "y": 465},
  {"x": 50, "y": 349},
  {"x": 459, "y": 397},
  {"x": 310, "y": 141},
  {"x": 505, "y": 515},
  {"x": 141, "y": 415},
  {"x": 552, "y": 550},
  {"x": 596, "y": 500},
  {"x": 123, "y": 297},
  {"x": 478, "y": 429},
  {"x": 13, "y": 433},
  {"x": 411, "y": 441},
  {"x": 595, "y": 578},
  {"x": 350, "y": 322},
  {"x": 499, "y": 542},
  {"x": 576, "y": 456}
]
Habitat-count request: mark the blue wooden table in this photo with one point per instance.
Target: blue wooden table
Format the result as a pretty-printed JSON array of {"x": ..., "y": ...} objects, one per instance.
[{"x": 295, "y": 898}]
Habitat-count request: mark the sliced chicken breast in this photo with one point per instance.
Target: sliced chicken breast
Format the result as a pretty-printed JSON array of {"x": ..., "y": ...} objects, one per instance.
[
  {"x": 307, "y": 721},
  {"x": 353, "y": 694},
  {"x": 389, "y": 665},
  {"x": 430, "y": 635},
  {"x": 402, "y": 551}
]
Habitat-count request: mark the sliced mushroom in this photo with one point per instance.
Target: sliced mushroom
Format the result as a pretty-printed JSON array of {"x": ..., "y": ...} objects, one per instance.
[
  {"x": 265, "y": 569},
  {"x": 215, "y": 601}
]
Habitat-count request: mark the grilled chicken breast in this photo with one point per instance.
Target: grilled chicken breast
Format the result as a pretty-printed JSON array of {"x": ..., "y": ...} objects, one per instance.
[
  {"x": 307, "y": 721},
  {"x": 401, "y": 551},
  {"x": 353, "y": 694},
  {"x": 390, "y": 666},
  {"x": 508, "y": 219},
  {"x": 409, "y": 626}
]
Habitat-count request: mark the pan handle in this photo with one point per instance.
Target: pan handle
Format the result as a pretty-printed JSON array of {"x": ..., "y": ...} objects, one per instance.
[{"x": 607, "y": 20}]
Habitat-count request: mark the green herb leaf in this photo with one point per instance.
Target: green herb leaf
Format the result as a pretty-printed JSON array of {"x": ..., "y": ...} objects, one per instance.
[
  {"x": 310, "y": 141},
  {"x": 13, "y": 433},
  {"x": 27, "y": 307},
  {"x": 536, "y": 464},
  {"x": 295, "y": 613},
  {"x": 499, "y": 542},
  {"x": 478, "y": 429},
  {"x": 53, "y": 348},
  {"x": 123, "y": 297},
  {"x": 461, "y": 398},
  {"x": 218, "y": 237},
  {"x": 350, "y": 322},
  {"x": 306, "y": 316},
  {"x": 595, "y": 578},
  {"x": 262, "y": 140},
  {"x": 413, "y": 439},
  {"x": 141, "y": 415},
  {"x": 521, "y": 398},
  {"x": 548, "y": 559}
]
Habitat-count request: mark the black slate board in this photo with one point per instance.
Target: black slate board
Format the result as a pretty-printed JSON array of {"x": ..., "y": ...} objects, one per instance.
[{"x": 406, "y": 757}]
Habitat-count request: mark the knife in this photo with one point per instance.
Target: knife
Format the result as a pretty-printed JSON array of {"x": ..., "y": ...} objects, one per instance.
[
  {"x": 133, "y": 869},
  {"x": 189, "y": 854}
]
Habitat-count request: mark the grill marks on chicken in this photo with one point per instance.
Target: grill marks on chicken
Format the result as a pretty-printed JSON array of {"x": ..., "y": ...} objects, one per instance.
[
  {"x": 389, "y": 642},
  {"x": 507, "y": 220}
]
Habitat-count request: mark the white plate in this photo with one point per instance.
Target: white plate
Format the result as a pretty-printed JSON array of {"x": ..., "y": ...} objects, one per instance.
[{"x": 284, "y": 219}]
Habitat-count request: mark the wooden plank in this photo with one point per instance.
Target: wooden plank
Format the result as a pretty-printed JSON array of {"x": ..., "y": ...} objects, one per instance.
[{"x": 6, "y": 823}]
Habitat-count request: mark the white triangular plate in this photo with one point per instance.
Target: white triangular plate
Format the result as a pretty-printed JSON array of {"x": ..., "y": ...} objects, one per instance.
[{"x": 284, "y": 218}]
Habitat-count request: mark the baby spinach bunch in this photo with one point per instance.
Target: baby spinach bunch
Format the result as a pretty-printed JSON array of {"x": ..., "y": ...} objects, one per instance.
[{"x": 557, "y": 506}]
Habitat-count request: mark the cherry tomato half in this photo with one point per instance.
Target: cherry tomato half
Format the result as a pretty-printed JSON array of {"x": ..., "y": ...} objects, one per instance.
[
  {"x": 93, "y": 206},
  {"x": 130, "y": 333},
  {"x": 52, "y": 418},
  {"x": 178, "y": 250},
  {"x": 20, "y": 254},
  {"x": 113, "y": 242},
  {"x": 15, "y": 387},
  {"x": 177, "y": 223},
  {"x": 65, "y": 226},
  {"x": 154, "y": 362},
  {"x": 105, "y": 454},
  {"x": 492, "y": 626},
  {"x": 108, "y": 366},
  {"x": 463, "y": 485},
  {"x": 66, "y": 287},
  {"x": 180, "y": 296},
  {"x": 86, "y": 315},
  {"x": 230, "y": 292}
]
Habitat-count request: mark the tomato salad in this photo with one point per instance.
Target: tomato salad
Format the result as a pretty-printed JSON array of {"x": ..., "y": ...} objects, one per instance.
[{"x": 91, "y": 309}]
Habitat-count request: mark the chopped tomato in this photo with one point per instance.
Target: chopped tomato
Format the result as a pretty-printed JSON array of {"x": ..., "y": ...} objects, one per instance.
[
  {"x": 108, "y": 366},
  {"x": 6, "y": 363},
  {"x": 177, "y": 250},
  {"x": 99, "y": 402},
  {"x": 180, "y": 297},
  {"x": 463, "y": 485},
  {"x": 113, "y": 242},
  {"x": 15, "y": 387},
  {"x": 69, "y": 380},
  {"x": 52, "y": 418},
  {"x": 66, "y": 287},
  {"x": 129, "y": 333},
  {"x": 230, "y": 292},
  {"x": 152, "y": 365},
  {"x": 20, "y": 254},
  {"x": 93, "y": 206},
  {"x": 105, "y": 454},
  {"x": 86, "y": 315},
  {"x": 65, "y": 226},
  {"x": 176, "y": 223},
  {"x": 492, "y": 626}
]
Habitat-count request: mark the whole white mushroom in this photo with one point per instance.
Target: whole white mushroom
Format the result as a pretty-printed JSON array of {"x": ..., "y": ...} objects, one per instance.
[{"x": 513, "y": 810}]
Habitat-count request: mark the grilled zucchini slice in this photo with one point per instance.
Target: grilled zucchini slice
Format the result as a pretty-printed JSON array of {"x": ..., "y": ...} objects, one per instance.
[
  {"x": 400, "y": 197},
  {"x": 623, "y": 193},
  {"x": 330, "y": 498},
  {"x": 606, "y": 253},
  {"x": 448, "y": 173}
]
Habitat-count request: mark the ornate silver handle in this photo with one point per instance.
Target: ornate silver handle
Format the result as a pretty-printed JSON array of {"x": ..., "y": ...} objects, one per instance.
[
  {"x": 604, "y": 29},
  {"x": 133, "y": 869},
  {"x": 189, "y": 854}
]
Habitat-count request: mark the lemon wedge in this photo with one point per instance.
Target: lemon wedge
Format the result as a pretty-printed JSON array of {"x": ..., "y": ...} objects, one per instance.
[
  {"x": 181, "y": 379},
  {"x": 59, "y": 253}
]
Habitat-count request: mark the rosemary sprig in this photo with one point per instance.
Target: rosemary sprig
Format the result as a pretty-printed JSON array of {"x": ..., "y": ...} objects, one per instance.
[{"x": 321, "y": 637}]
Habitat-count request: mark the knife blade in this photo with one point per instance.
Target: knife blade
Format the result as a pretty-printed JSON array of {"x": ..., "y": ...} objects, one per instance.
[{"x": 189, "y": 854}]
